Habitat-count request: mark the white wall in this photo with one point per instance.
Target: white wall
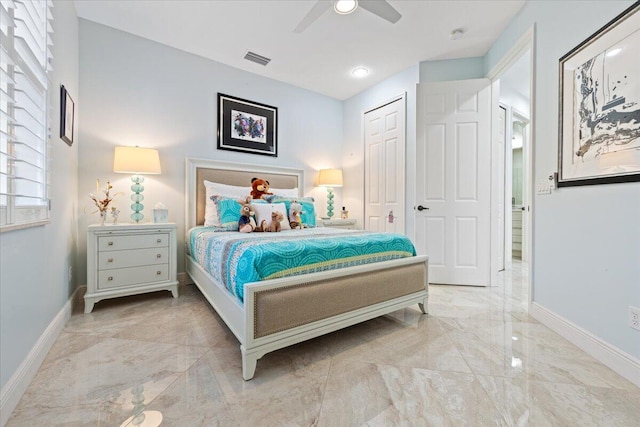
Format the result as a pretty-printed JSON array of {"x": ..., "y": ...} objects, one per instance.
[
  {"x": 353, "y": 147},
  {"x": 451, "y": 69},
  {"x": 586, "y": 239},
  {"x": 138, "y": 92},
  {"x": 34, "y": 261}
]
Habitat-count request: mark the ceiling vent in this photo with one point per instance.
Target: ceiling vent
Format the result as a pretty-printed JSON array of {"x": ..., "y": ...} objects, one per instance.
[{"x": 258, "y": 59}]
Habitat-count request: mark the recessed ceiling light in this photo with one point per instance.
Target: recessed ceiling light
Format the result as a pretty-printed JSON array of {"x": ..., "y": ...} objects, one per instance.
[
  {"x": 456, "y": 34},
  {"x": 614, "y": 52},
  {"x": 360, "y": 72},
  {"x": 345, "y": 7}
]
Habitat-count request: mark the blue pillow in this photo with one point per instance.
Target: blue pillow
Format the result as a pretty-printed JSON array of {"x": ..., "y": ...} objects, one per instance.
[
  {"x": 308, "y": 215},
  {"x": 228, "y": 211}
]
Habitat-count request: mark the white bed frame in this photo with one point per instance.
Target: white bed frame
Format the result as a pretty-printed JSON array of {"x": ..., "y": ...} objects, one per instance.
[{"x": 240, "y": 320}]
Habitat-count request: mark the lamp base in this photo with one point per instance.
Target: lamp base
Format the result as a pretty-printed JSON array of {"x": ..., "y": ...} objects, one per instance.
[
  {"x": 329, "y": 202},
  {"x": 137, "y": 197}
]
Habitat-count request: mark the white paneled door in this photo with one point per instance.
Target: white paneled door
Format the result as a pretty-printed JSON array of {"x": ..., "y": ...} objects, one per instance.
[
  {"x": 453, "y": 179},
  {"x": 384, "y": 140}
]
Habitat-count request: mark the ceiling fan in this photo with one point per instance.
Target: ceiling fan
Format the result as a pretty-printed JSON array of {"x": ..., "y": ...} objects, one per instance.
[{"x": 382, "y": 8}]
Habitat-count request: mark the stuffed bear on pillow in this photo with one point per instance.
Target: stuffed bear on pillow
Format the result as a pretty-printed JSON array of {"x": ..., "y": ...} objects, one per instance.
[{"x": 259, "y": 188}]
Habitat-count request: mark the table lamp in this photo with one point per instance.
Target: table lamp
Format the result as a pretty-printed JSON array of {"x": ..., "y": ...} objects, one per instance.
[
  {"x": 137, "y": 161},
  {"x": 330, "y": 178}
]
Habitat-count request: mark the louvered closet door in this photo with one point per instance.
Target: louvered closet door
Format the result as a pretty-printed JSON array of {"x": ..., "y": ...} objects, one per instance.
[{"x": 384, "y": 138}]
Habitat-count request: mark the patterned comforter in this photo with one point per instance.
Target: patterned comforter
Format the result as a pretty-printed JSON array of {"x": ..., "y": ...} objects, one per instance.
[{"x": 235, "y": 259}]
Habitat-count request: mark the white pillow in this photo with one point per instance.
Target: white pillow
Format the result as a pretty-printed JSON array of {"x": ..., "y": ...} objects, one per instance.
[
  {"x": 285, "y": 192},
  {"x": 263, "y": 212},
  {"x": 215, "y": 188}
]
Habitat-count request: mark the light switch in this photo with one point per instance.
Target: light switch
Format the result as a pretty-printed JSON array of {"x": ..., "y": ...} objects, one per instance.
[{"x": 544, "y": 187}]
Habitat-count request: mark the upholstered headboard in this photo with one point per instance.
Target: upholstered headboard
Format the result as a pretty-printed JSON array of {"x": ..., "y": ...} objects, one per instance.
[{"x": 240, "y": 174}]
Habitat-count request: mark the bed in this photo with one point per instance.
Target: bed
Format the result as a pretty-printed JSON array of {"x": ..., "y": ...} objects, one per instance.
[{"x": 280, "y": 311}]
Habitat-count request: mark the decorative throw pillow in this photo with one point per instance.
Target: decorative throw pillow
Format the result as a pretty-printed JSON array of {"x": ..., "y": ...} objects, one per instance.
[
  {"x": 263, "y": 212},
  {"x": 216, "y": 189},
  {"x": 228, "y": 211},
  {"x": 308, "y": 215}
]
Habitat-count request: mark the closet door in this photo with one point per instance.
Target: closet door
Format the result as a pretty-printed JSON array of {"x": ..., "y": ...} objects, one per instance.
[{"x": 384, "y": 140}]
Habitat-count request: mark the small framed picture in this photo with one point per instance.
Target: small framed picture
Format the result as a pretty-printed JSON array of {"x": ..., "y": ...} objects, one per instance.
[
  {"x": 600, "y": 106},
  {"x": 67, "y": 116},
  {"x": 247, "y": 126}
]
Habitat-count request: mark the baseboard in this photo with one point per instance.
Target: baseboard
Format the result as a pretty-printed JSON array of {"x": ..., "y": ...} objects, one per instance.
[
  {"x": 611, "y": 356},
  {"x": 13, "y": 390}
]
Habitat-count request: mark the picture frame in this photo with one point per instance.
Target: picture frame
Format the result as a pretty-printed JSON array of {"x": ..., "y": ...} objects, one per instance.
[
  {"x": 599, "y": 111},
  {"x": 67, "y": 116},
  {"x": 247, "y": 126}
]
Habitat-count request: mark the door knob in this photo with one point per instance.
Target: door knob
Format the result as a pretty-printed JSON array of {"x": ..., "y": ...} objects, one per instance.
[{"x": 422, "y": 208}]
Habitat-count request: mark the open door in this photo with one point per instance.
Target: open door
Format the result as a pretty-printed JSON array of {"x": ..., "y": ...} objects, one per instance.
[{"x": 453, "y": 180}]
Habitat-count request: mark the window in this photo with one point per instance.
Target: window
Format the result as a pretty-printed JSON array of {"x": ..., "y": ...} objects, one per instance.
[{"x": 25, "y": 39}]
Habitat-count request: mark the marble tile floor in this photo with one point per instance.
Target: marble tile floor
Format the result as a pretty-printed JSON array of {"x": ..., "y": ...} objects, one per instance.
[{"x": 477, "y": 359}]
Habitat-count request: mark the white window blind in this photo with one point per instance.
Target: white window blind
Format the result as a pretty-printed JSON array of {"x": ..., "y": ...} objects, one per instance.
[{"x": 25, "y": 55}]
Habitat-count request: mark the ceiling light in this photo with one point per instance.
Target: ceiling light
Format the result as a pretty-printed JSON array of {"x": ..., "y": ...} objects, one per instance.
[
  {"x": 345, "y": 7},
  {"x": 614, "y": 52},
  {"x": 360, "y": 72},
  {"x": 456, "y": 34}
]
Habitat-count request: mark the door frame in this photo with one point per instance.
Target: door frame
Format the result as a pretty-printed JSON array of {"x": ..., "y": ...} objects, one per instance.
[
  {"x": 402, "y": 96},
  {"x": 520, "y": 47},
  {"x": 526, "y": 176}
]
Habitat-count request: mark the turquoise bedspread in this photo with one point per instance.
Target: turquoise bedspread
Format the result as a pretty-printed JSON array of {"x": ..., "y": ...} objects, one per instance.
[{"x": 235, "y": 259}]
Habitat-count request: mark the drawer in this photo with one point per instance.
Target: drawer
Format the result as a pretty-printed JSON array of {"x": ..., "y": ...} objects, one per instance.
[
  {"x": 132, "y": 276},
  {"x": 133, "y": 241},
  {"x": 132, "y": 258}
]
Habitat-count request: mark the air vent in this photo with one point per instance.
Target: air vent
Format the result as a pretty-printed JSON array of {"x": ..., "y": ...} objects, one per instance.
[{"x": 258, "y": 59}]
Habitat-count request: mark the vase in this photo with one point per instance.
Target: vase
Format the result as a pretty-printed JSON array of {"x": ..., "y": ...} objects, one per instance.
[{"x": 103, "y": 217}]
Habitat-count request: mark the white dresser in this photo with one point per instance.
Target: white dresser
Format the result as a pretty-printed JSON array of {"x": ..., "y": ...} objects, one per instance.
[{"x": 129, "y": 259}]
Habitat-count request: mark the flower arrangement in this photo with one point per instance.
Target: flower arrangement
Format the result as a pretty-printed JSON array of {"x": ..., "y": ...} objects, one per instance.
[{"x": 103, "y": 203}]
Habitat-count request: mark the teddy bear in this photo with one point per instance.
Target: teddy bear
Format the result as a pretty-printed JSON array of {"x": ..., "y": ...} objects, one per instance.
[
  {"x": 247, "y": 221},
  {"x": 276, "y": 218},
  {"x": 259, "y": 188},
  {"x": 295, "y": 215}
]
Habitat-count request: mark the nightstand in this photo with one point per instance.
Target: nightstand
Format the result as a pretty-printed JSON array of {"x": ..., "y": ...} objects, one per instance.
[
  {"x": 129, "y": 259},
  {"x": 347, "y": 224}
]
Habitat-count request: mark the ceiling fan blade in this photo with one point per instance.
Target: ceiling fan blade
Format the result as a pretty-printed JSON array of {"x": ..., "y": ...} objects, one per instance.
[
  {"x": 381, "y": 8},
  {"x": 316, "y": 11}
]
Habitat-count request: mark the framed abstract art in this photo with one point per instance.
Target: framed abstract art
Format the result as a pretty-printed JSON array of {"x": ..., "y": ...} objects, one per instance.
[
  {"x": 247, "y": 126},
  {"x": 599, "y": 129}
]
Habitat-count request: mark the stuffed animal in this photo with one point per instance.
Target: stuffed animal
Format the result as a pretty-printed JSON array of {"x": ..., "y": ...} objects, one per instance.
[
  {"x": 275, "y": 226},
  {"x": 247, "y": 221},
  {"x": 259, "y": 188},
  {"x": 295, "y": 217}
]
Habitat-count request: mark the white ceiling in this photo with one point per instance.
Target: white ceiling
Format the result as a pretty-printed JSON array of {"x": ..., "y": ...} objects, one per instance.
[{"x": 322, "y": 57}]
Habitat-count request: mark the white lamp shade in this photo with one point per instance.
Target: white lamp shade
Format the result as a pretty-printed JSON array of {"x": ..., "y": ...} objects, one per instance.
[
  {"x": 136, "y": 160},
  {"x": 330, "y": 178}
]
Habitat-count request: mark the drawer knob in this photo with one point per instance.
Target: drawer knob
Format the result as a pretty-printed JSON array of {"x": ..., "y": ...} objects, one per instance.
[
  {"x": 159, "y": 241},
  {"x": 159, "y": 256},
  {"x": 110, "y": 244},
  {"x": 110, "y": 260},
  {"x": 158, "y": 272},
  {"x": 110, "y": 278}
]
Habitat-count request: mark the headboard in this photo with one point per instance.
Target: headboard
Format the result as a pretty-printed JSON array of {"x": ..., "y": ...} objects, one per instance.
[{"x": 230, "y": 173}]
